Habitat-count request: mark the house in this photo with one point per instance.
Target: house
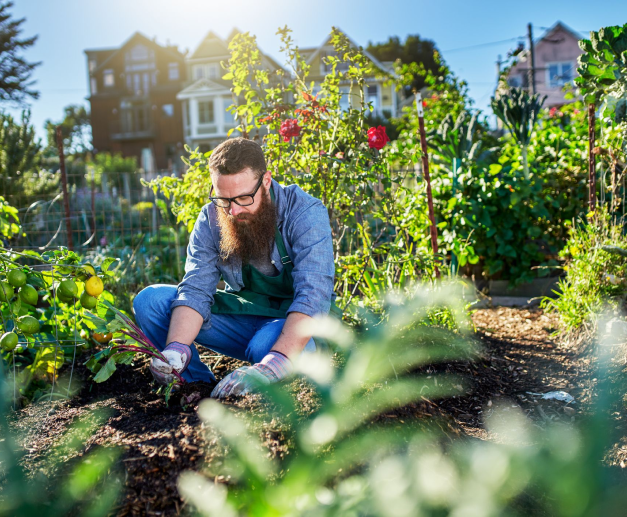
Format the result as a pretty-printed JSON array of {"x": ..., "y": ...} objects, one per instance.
[
  {"x": 555, "y": 64},
  {"x": 134, "y": 110},
  {"x": 384, "y": 98},
  {"x": 207, "y": 96}
]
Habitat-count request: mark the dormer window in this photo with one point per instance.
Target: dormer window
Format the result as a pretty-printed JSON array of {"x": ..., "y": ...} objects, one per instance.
[{"x": 108, "y": 78}]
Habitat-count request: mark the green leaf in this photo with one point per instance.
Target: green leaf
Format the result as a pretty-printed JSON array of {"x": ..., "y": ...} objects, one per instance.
[
  {"x": 107, "y": 371},
  {"x": 107, "y": 264},
  {"x": 495, "y": 168}
]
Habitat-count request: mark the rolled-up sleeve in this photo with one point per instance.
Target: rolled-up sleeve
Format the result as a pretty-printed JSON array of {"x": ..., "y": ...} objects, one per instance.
[
  {"x": 199, "y": 284},
  {"x": 312, "y": 256}
]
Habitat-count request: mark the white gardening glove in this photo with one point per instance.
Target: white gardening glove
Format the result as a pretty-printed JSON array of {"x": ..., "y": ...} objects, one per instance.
[{"x": 178, "y": 356}]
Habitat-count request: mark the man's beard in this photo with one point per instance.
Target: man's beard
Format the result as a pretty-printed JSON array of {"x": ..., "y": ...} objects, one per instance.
[{"x": 251, "y": 236}]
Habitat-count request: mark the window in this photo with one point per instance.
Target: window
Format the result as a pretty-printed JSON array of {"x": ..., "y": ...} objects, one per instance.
[
  {"x": 173, "y": 71},
  {"x": 108, "y": 78},
  {"x": 212, "y": 71},
  {"x": 205, "y": 112},
  {"x": 167, "y": 110},
  {"x": 560, "y": 74},
  {"x": 199, "y": 72},
  {"x": 146, "y": 83},
  {"x": 372, "y": 96},
  {"x": 92, "y": 65},
  {"x": 229, "y": 119},
  {"x": 93, "y": 84}
]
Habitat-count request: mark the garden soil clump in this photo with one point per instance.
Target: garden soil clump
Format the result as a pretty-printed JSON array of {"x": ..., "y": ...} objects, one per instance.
[{"x": 518, "y": 362}]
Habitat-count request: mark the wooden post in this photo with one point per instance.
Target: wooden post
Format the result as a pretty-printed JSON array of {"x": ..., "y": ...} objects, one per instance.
[
  {"x": 66, "y": 199},
  {"x": 592, "y": 166},
  {"x": 425, "y": 171}
]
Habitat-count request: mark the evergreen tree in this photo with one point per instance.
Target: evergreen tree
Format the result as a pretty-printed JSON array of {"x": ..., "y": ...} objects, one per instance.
[{"x": 15, "y": 71}]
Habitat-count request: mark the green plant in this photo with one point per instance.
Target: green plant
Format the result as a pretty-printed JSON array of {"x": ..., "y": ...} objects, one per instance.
[
  {"x": 46, "y": 316},
  {"x": 596, "y": 275},
  {"x": 344, "y": 459},
  {"x": 519, "y": 112}
]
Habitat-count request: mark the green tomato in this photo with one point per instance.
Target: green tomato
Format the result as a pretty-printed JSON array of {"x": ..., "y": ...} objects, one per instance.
[
  {"x": 28, "y": 294},
  {"x": 16, "y": 277},
  {"x": 28, "y": 324},
  {"x": 68, "y": 289},
  {"x": 87, "y": 301},
  {"x": 6, "y": 291},
  {"x": 8, "y": 341}
]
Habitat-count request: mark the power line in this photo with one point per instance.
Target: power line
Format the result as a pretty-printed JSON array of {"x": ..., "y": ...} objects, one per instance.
[{"x": 484, "y": 44}]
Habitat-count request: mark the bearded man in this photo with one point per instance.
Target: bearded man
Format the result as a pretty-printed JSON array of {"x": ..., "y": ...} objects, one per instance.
[{"x": 272, "y": 247}]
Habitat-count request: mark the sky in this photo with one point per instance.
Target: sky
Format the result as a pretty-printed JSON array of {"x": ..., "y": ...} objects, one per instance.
[{"x": 470, "y": 34}]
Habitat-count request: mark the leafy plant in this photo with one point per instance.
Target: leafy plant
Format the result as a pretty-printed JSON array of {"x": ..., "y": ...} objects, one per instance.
[
  {"x": 519, "y": 112},
  {"x": 121, "y": 351},
  {"x": 596, "y": 274}
]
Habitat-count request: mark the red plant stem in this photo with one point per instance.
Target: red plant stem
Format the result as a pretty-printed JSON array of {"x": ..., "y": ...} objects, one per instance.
[{"x": 137, "y": 349}]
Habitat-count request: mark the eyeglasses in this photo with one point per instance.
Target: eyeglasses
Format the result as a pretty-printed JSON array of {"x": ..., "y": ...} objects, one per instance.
[{"x": 247, "y": 200}]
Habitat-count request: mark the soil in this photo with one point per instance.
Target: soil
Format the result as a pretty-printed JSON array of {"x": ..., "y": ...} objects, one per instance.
[{"x": 518, "y": 361}]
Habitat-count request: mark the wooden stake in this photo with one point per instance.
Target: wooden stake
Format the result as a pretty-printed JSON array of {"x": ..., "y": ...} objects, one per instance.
[{"x": 425, "y": 171}]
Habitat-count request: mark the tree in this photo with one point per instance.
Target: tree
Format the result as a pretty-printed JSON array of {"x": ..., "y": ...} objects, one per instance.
[
  {"x": 412, "y": 50},
  {"x": 15, "y": 71},
  {"x": 22, "y": 177},
  {"x": 75, "y": 130}
]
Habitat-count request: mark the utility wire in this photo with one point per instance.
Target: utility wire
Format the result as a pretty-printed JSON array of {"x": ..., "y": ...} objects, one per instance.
[{"x": 484, "y": 44}]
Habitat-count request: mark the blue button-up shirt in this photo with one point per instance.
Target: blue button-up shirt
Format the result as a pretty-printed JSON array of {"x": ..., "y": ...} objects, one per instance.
[{"x": 304, "y": 224}]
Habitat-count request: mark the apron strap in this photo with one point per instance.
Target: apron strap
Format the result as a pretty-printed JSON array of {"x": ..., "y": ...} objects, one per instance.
[{"x": 278, "y": 239}]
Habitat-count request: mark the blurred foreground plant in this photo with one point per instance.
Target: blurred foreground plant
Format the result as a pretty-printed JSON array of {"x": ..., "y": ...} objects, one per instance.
[
  {"x": 82, "y": 485},
  {"x": 343, "y": 461}
]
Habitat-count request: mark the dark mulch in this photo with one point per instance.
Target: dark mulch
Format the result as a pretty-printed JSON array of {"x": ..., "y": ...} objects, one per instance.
[{"x": 159, "y": 441}]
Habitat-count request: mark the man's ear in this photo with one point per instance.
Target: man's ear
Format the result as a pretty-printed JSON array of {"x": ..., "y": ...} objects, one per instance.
[{"x": 267, "y": 179}]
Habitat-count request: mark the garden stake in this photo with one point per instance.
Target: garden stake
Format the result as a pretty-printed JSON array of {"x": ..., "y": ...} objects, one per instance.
[
  {"x": 66, "y": 200},
  {"x": 592, "y": 172},
  {"x": 425, "y": 171}
]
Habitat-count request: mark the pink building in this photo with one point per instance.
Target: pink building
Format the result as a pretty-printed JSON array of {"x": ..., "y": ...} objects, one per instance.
[{"x": 555, "y": 60}]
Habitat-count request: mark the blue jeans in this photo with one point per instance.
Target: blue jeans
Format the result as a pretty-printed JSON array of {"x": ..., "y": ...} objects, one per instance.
[{"x": 247, "y": 338}]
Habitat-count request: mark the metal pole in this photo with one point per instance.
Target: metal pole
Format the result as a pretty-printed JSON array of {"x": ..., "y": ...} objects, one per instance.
[
  {"x": 66, "y": 199},
  {"x": 592, "y": 172},
  {"x": 425, "y": 171},
  {"x": 532, "y": 70}
]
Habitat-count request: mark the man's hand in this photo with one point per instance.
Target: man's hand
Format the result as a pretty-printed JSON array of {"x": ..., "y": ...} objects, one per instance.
[
  {"x": 272, "y": 368},
  {"x": 178, "y": 356}
]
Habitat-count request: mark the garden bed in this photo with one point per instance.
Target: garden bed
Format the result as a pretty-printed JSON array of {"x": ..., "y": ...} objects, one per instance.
[{"x": 160, "y": 442}]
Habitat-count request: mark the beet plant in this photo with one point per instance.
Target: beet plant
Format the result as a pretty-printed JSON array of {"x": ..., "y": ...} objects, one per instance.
[{"x": 128, "y": 340}]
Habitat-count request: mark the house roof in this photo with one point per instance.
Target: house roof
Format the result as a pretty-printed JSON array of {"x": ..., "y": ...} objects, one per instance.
[
  {"x": 326, "y": 43},
  {"x": 556, "y": 26},
  {"x": 137, "y": 37},
  {"x": 212, "y": 45}
]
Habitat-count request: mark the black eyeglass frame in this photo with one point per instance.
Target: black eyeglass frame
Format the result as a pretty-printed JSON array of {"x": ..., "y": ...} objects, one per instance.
[{"x": 230, "y": 200}]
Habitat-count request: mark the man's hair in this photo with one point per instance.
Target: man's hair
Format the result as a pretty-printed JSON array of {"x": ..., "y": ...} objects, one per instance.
[{"x": 236, "y": 154}]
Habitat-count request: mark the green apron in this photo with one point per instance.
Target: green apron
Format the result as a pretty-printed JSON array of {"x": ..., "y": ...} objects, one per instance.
[{"x": 263, "y": 295}]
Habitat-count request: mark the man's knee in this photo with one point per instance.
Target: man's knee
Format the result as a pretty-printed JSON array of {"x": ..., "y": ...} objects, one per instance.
[{"x": 154, "y": 299}]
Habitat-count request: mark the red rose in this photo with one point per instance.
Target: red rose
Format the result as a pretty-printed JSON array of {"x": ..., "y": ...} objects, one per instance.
[
  {"x": 289, "y": 129},
  {"x": 377, "y": 137}
]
